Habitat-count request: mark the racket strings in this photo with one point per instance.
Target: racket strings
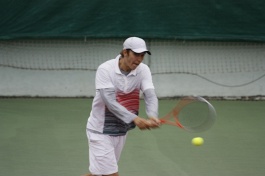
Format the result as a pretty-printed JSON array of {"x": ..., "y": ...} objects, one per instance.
[{"x": 193, "y": 114}]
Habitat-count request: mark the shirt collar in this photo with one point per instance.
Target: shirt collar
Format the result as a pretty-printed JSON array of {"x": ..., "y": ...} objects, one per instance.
[{"x": 117, "y": 68}]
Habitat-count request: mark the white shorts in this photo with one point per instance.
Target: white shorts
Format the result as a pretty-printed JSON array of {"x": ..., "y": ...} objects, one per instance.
[{"x": 104, "y": 153}]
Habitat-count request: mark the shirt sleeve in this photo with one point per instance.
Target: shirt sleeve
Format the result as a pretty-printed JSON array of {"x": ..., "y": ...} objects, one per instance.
[
  {"x": 109, "y": 98},
  {"x": 103, "y": 79},
  {"x": 151, "y": 103},
  {"x": 147, "y": 82}
]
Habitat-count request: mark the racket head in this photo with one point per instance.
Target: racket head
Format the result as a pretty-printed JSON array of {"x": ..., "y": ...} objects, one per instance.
[{"x": 193, "y": 114}]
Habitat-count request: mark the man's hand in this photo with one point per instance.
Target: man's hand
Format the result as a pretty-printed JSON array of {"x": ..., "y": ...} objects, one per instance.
[
  {"x": 154, "y": 122},
  {"x": 141, "y": 123},
  {"x": 144, "y": 124}
]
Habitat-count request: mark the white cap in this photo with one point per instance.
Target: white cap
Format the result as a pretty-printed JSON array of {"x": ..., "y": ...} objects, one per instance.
[{"x": 136, "y": 44}]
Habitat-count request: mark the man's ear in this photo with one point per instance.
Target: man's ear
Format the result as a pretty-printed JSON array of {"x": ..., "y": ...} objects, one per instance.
[{"x": 125, "y": 52}]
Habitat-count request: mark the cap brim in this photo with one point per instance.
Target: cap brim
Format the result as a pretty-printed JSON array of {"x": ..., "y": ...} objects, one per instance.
[{"x": 141, "y": 50}]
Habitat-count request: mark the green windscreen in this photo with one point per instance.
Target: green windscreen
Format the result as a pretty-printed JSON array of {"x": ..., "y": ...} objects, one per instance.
[{"x": 168, "y": 19}]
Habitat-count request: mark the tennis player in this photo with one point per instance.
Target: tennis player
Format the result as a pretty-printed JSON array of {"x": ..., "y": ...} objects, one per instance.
[{"x": 116, "y": 105}]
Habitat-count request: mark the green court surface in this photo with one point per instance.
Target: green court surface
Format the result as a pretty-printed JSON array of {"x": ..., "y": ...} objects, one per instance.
[{"x": 46, "y": 137}]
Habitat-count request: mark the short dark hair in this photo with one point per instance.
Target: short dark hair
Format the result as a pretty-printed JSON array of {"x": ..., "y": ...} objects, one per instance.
[{"x": 121, "y": 53}]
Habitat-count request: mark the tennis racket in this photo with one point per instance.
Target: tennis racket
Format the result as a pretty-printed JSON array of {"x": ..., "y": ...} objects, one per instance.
[{"x": 193, "y": 114}]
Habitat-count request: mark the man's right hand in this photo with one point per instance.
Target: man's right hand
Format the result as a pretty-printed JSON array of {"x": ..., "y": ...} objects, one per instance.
[{"x": 142, "y": 123}]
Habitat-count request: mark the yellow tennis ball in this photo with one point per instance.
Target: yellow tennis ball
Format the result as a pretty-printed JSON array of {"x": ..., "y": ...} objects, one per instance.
[{"x": 197, "y": 141}]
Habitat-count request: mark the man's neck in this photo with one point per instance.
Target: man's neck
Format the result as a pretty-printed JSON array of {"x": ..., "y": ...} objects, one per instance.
[{"x": 123, "y": 67}]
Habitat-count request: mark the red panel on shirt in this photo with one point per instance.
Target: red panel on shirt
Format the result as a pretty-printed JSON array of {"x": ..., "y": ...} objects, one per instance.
[{"x": 130, "y": 100}]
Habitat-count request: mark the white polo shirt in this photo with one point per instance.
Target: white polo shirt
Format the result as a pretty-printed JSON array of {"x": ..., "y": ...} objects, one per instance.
[{"x": 127, "y": 89}]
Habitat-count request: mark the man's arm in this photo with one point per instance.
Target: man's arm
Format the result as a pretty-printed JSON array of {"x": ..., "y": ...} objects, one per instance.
[
  {"x": 108, "y": 96},
  {"x": 151, "y": 103}
]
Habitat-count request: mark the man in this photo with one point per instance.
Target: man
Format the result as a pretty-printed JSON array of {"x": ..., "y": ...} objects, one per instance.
[{"x": 116, "y": 105}]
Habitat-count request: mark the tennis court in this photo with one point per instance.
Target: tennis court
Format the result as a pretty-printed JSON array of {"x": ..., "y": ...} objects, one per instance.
[
  {"x": 46, "y": 136},
  {"x": 50, "y": 52}
]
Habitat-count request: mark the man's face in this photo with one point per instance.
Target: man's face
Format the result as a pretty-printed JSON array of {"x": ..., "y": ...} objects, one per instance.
[{"x": 133, "y": 59}]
